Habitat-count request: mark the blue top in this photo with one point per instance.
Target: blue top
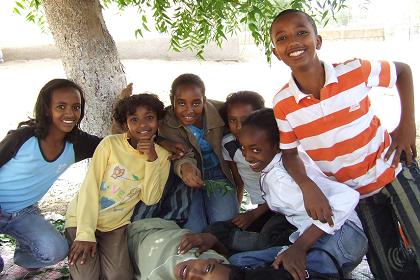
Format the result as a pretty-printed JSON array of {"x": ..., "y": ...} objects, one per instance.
[
  {"x": 26, "y": 177},
  {"x": 210, "y": 159}
]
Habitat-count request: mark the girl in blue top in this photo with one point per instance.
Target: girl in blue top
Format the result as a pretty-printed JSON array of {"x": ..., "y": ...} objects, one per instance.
[{"x": 31, "y": 159}]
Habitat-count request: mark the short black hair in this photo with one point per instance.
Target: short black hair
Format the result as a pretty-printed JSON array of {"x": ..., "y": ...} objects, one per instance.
[
  {"x": 245, "y": 97},
  {"x": 128, "y": 106},
  {"x": 293, "y": 11},
  {"x": 259, "y": 273},
  {"x": 264, "y": 119},
  {"x": 42, "y": 110},
  {"x": 187, "y": 79}
]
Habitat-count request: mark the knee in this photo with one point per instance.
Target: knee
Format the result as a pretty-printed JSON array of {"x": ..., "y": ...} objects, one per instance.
[{"x": 53, "y": 250}]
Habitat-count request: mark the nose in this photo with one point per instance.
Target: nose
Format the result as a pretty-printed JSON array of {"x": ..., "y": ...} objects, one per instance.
[
  {"x": 69, "y": 111},
  {"x": 238, "y": 125}
]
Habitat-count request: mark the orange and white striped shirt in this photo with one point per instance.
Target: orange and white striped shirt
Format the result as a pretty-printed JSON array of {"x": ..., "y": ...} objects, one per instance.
[{"x": 340, "y": 132}]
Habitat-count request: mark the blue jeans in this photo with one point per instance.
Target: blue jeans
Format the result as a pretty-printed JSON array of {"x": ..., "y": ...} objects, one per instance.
[
  {"x": 348, "y": 245},
  {"x": 38, "y": 243},
  {"x": 207, "y": 208}
]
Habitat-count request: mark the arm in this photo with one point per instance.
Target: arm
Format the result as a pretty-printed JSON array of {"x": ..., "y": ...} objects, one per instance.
[
  {"x": 294, "y": 258},
  {"x": 88, "y": 198},
  {"x": 244, "y": 220},
  {"x": 316, "y": 204},
  {"x": 185, "y": 167},
  {"x": 203, "y": 242},
  {"x": 238, "y": 181},
  {"x": 404, "y": 136},
  {"x": 87, "y": 210},
  {"x": 155, "y": 176}
]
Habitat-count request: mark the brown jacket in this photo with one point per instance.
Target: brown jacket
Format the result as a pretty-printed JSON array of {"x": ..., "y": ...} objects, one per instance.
[{"x": 172, "y": 129}]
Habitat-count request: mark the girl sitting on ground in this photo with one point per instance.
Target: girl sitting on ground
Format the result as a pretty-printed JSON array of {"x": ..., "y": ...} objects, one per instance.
[
  {"x": 125, "y": 169},
  {"x": 32, "y": 157}
]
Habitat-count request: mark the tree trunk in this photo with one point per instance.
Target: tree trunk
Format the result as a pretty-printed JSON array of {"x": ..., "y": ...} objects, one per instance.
[{"x": 89, "y": 56}]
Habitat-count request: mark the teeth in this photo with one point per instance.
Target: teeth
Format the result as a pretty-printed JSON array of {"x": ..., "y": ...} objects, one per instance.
[
  {"x": 253, "y": 164},
  {"x": 296, "y": 53},
  {"x": 143, "y": 132},
  {"x": 68, "y": 122}
]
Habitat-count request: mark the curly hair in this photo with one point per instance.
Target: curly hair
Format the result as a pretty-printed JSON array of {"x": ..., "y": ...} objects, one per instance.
[
  {"x": 264, "y": 119},
  {"x": 187, "y": 79},
  {"x": 128, "y": 106},
  {"x": 42, "y": 119},
  {"x": 244, "y": 97}
]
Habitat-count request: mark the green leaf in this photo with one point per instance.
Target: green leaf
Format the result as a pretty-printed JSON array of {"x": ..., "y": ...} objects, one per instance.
[{"x": 136, "y": 178}]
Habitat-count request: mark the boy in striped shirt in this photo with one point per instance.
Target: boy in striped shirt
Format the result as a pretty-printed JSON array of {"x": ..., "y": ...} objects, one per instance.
[{"x": 325, "y": 110}]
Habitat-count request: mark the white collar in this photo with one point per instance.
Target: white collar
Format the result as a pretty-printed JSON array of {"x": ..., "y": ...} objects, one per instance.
[
  {"x": 330, "y": 78},
  {"x": 273, "y": 162}
]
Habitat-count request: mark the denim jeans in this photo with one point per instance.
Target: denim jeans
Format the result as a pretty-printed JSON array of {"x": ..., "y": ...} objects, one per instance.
[
  {"x": 38, "y": 243},
  {"x": 210, "y": 207},
  {"x": 348, "y": 245}
]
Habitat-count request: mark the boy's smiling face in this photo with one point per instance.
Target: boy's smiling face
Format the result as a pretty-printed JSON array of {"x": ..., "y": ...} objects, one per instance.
[
  {"x": 257, "y": 147},
  {"x": 295, "y": 40}
]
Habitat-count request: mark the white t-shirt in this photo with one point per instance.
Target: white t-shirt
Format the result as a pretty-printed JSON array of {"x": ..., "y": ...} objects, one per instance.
[
  {"x": 283, "y": 195},
  {"x": 231, "y": 151}
]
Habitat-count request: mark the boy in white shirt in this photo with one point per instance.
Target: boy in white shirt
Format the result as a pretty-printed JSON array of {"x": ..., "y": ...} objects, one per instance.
[{"x": 344, "y": 240}]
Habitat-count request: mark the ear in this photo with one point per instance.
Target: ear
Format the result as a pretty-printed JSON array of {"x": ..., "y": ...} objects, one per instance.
[
  {"x": 275, "y": 53},
  {"x": 318, "y": 42}
]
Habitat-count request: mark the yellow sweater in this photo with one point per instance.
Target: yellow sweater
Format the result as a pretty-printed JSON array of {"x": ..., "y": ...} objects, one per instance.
[{"x": 118, "y": 177}]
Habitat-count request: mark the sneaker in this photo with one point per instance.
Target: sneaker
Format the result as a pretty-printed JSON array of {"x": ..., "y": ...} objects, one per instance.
[{"x": 1, "y": 264}]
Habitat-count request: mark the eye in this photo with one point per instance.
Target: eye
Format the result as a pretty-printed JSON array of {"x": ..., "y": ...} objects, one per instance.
[
  {"x": 281, "y": 38},
  {"x": 60, "y": 107},
  {"x": 232, "y": 120},
  {"x": 134, "y": 119},
  {"x": 302, "y": 33},
  {"x": 150, "y": 117},
  {"x": 76, "y": 108},
  {"x": 208, "y": 268},
  {"x": 196, "y": 104},
  {"x": 180, "y": 103},
  {"x": 256, "y": 150}
]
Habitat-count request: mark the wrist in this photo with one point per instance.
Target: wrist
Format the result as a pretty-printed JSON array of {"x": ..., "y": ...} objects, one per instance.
[{"x": 152, "y": 156}]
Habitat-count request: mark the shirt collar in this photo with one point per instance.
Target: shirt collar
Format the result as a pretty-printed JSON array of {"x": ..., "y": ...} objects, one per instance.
[
  {"x": 273, "y": 162},
  {"x": 330, "y": 78}
]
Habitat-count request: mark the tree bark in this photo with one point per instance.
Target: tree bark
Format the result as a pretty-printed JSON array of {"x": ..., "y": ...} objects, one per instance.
[{"x": 89, "y": 56}]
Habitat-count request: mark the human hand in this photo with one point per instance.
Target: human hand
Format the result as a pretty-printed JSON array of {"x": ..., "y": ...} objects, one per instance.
[
  {"x": 127, "y": 91},
  {"x": 294, "y": 261},
  {"x": 403, "y": 140},
  {"x": 202, "y": 241},
  {"x": 244, "y": 220},
  {"x": 316, "y": 204},
  {"x": 191, "y": 175},
  {"x": 177, "y": 150},
  {"x": 81, "y": 249},
  {"x": 147, "y": 147}
]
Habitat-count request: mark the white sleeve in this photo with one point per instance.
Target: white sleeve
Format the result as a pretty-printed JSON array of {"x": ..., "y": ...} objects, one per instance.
[{"x": 341, "y": 197}]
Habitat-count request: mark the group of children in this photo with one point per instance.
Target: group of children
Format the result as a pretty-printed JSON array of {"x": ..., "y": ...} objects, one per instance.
[{"x": 309, "y": 164}]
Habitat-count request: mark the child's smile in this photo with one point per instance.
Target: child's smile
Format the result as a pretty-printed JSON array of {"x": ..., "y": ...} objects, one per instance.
[
  {"x": 65, "y": 110},
  {"x": 256, "y": 147},
  {"x": 295, "y": 40},
  {"x": 188, "y": 105},
  {"x": 142, "y": 125}
]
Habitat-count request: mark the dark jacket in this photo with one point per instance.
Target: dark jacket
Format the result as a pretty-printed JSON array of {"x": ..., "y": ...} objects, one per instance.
[{"x": 171, "y": 128}]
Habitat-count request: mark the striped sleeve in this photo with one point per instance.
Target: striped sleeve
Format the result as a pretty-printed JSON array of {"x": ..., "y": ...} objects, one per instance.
[
  {"x": 288, "y": 139},
  {"x": 379, "y": 73}
]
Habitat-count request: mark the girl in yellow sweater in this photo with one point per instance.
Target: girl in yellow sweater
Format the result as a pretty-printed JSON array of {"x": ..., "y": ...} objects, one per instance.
[{"x": 125, "y": 169}]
